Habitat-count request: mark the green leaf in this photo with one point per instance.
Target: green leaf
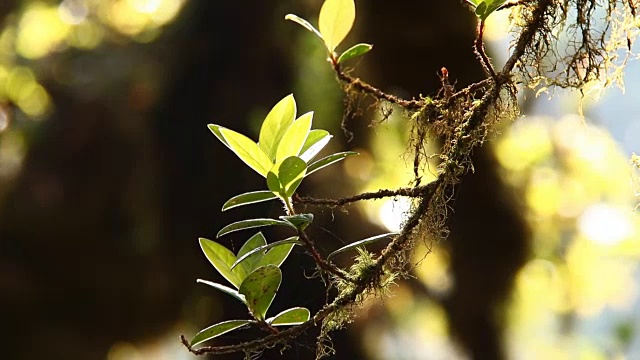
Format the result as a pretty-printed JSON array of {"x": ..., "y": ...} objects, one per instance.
[
  {"x": 248, "y": 198},
  {"x": 221, "y": 258},
  {"x": 304, "y": 23},
  {"x": 480, "y": 10},
  {"x": 316, "y": 141},
  {"x": 293, "y": 316},
  {"x": 335, "y": 22},
  {"x": 273, "y": 183},
  {"x": 275, "y": 125},
  {"x": 328, "y": 160},
  {"x": 290, "y": 173},
  {"x": 261, "y": 250},
  {"x": 277, "y": 255},
  {"x": 225, "y": 289},
  {"x": 295, "y": 137},
  {"x": 254, "y": 242},
  {"x": 260, "y": 287},
  {"x": 247, "y": 151},
  {"x": 354, "y": 51},
  {"x": 252, "y": 223},
  {"x": 360, "y": 243},
  {"x": 300, "y": 221},
  {"x": 217, "y": 330},
  {"x": 215, "y": 129}
]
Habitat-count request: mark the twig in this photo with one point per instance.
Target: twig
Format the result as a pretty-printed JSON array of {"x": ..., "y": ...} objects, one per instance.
[
  {"x": 479, "y": 50},
  {"x": 380, "y": 194}
]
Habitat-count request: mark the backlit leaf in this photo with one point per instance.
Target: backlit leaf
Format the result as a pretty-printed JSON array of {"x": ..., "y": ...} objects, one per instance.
[
  {"x": 290, "y": 174},
  {"x": 335, "y": 22},
  {"x": 259, "y": 289},
  {"x": 277, "y": 255},
  {"x": 328, "y": 160},
  {"x": 293, "y": 316},
  {"x": 354, "y": 51},
  {"x": 248, "y": 198},
  {"x": 304, "y": 23},
  {"x": 252, "y": 223},
  {"x": 221, "y": 258},
  {"x": 217, "y": 330},
  {"x": 316, "y": 141},
  {"x": 256, "y": 241},
  {"x": 247, "y": 151},
  {"x": 295, "y": 137},
  {"x": 261, "y": 250},
  {"x": 275, "y": 126},
  {"x": 224, "y": 289},
  {"x": 360, "y": 243}
]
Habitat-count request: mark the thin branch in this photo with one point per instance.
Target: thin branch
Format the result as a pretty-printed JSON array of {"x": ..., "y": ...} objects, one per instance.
[
  {"x": 377, "y": 195},
  {"x": 482, "y": 56}
]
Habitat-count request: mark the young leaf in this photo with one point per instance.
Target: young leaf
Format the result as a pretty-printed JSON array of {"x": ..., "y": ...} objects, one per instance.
[
  {"x": 215, "y": 129},
  {"x": 275, "y": 125},
  {"x": 261, "y": 249},
  {"x": 304, "y": 23},
  {"x": 221, "y": 258},
  {"x": 253, "y": 243},
  {"x": 225, "y": 289},
  {"x": 335, "y": 22},
  {"x": 293, "y": 316},
  {"x": 295, "y": 137},
  {"x": 360, "y": 243},
  {"x": 217, "y": 330},
  {"x": 273, "y": 183},
  {"x": 300, "y": 221},
  {"x": 259, "y": 289},
  {"x": 354, "y": 51},
  {"x": 248, "y": 198},
  {"x": 247, "y": 151},
  {"x": 316, "y": 141},
  {"x": 290, "y": 173},
  {"x": 252, "y": 223},
  {"x": 328, "y": 160}
]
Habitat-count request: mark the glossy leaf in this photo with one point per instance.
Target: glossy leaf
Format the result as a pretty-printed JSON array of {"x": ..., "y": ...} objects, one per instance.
[
  {"x": 225, "y": 289},
  {"x": 355, "y": 51},
  {"x": 328, "y": 160},
  {"x": 247, "y": 151},
  {"x": 276, "y": 256},
  {"x": 275, "y": 125},
  {"x": 254, "y": 242},
  {"x": 261, "y": 250},
  {"x": 360, "y": 243},
  {"x": 304, "y": 23},
  {"x": 217, "y": 330},
  {"x": 316, "y": 141},
  {"x": 248, "y": 198},
  {"x": 300, "y": 221},
  {"x": 259, "y": 289},
  {"x": 273, "y": 183},
  {"x": 484, "y": 8},
  {"x": 290, "y": 174},
  {"x": 335, "y": 22},
  {"x": 252, "y": 223},
  {"x": 293, "y": 316},
  {"x": 295, "y": 137},
  {"x": 215, "y": 129},
  {"x": 221, "y": 258}
]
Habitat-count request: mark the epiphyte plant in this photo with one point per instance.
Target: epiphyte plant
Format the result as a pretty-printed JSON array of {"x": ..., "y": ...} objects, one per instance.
[{"x": 284, "y": 156}]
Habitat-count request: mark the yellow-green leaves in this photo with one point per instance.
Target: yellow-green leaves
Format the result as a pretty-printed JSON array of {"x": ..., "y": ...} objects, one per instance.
[
  {"x": 275, "y": 125},
  {"x": 335, "y": 22},
  {"x": 247, "y": 151},
  {"x": 294, "y": 137}
]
